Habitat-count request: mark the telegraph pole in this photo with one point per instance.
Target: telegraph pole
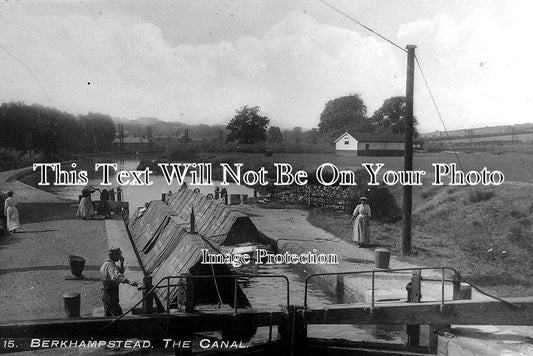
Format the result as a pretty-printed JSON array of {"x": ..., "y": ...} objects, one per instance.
[{"x": 408, "y": 150}]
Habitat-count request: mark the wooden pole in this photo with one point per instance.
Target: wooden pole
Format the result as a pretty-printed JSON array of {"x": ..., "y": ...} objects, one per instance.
[{"x": 408, "y": 150}]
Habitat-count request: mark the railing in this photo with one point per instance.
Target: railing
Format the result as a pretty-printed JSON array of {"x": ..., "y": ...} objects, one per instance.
[
  {"x": 167, "y": 279},
  {"x": 443, "y": 280},
  {"x": 232, "y": 276}
]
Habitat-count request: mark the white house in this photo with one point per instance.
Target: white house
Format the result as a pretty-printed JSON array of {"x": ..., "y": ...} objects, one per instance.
[{"x": 370, "y": 144}]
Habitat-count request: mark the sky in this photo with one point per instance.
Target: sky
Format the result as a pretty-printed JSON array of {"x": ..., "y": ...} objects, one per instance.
[{"x": 199, "y": 61}]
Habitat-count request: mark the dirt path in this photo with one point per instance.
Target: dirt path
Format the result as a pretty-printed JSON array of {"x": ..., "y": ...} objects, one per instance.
[
  {"x": 35, "y": 261},
  {"x": 23, "y": 192},
  {"x": 292, "y": 231}
]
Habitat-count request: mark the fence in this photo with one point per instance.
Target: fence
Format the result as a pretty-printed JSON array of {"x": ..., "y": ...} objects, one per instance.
[{"x": 328, "y": 202}]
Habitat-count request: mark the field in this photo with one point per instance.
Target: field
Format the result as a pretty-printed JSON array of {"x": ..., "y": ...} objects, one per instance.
[
  {"x": 484, "y": 231},
  {"x": 515, "y": 166}
]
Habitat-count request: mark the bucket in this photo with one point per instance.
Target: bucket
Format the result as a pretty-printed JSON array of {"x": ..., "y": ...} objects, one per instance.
[
  {"x": 465, "y": 292},
  {"x": 77, "y": 264},
  {"x": 72, "y": 303},
  {"x": 244, "y": 198},
  {"x": 234, "y": 199},
  {"x": 382, "y": 258}
]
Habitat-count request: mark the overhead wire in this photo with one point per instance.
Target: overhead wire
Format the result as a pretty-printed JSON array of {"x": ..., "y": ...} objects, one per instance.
[
  {"x": 363, "y": 25},
  {"x": 484, "y": 223},
  {"x": 434, "y": 102},
  {"x": 34, "y": 76}
]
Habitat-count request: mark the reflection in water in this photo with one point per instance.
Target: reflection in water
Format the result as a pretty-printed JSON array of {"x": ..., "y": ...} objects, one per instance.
[{"x": 271, "y": 292}]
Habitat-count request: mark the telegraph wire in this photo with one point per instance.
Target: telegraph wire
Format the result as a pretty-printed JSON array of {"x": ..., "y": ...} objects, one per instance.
[
  {"x": 364, "y": 26},
  {"x": 41, "y": 86},
  {"x": 430, "y": 94},
  {"x": 449, "y": 138}
]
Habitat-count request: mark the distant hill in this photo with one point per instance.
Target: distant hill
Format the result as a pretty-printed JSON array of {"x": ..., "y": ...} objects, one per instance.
[{"x": 138, "y": 128}]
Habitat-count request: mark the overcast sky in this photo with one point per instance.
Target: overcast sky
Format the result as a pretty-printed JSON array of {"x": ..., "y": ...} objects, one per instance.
[{"x": 198, "y": 61}]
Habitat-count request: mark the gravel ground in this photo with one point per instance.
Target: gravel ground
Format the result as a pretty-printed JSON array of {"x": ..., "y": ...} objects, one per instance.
[{"x": 34, "y": 262}]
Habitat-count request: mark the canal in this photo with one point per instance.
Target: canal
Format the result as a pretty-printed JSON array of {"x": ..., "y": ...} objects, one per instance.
[{"x": 261, "y": 292}]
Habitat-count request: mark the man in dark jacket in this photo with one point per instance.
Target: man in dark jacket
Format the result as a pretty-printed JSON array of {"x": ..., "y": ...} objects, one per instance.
[{"x": 111, "y": 276}]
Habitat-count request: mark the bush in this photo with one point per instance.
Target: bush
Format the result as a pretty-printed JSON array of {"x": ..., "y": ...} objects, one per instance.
[
  {"x": 183, "y": 152},
  {"x": 11, "y": 159},
  {"x": 480, "y": 195},
  {"x": 517, "y": 215}
]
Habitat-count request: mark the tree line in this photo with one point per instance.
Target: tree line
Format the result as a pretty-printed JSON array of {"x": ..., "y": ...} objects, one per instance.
[
  {"x": 347, "y": 113},
  {"x": 36, "y": 128}
]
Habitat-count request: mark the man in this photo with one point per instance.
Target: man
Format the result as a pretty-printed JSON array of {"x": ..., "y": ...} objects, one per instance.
[{"x": 111, "y": 276}]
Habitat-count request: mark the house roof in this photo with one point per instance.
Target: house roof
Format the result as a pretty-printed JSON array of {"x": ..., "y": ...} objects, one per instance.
[{"x": 373, "y": 137}]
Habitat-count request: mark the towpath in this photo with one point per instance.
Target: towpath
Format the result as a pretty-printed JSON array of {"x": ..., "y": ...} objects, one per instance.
[
  {"x": 34, "y": 262},
  {"x": 294, "y": 234}
]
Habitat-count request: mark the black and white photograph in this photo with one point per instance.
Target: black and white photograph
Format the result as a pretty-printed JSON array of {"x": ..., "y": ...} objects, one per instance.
[{"x": 266, "y": 177}]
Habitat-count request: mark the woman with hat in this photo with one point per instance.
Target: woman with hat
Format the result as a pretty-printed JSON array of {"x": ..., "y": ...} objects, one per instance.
[
  {"x": 85, "y": 208},
  {"x": 361, "y": 228},
  {"x": 12, "y": 214}
]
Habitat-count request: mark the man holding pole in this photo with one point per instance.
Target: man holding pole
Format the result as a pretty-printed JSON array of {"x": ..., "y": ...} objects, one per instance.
[{"x": 111, "y": 276}]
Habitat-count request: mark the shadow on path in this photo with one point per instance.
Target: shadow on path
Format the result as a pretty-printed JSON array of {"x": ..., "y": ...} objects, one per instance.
[
  {"x": 45, "y": 268},
  {"x": 31, "y": 213}
]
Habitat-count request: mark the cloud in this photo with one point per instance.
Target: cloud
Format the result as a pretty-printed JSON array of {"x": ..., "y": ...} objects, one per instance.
[
  {"x": 125, "y": 66},
  {"x": 479, "y": 68}
]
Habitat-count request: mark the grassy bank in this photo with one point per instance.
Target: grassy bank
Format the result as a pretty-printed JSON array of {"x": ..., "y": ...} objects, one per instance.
[{"x": 485, "y": 233}]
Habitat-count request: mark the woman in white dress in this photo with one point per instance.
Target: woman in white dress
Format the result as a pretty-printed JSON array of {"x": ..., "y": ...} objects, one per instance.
[
  {"x": 11, "y": 212},
  {"x": 85, "y": 208},
  {"x": 361, "y": 228}
]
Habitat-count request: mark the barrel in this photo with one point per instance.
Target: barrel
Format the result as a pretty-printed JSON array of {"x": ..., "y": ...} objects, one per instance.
[
  {"x": 72, "y": 303},
  {"x": 234, "y": 199},
  {"x": 382, "y": 258},
  {"x": 77, "y": 264},
  {"x": 244, "y": 198}
]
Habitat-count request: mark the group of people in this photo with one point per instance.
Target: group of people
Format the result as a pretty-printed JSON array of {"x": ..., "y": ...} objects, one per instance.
[{"x": 86, "y": 209}]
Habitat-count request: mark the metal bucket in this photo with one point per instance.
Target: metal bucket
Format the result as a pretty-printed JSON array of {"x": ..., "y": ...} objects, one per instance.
[
  {"x": 72, "y": 303},
  {"x": 382, "y": 258},
  {"x": 77, "y": 264}
]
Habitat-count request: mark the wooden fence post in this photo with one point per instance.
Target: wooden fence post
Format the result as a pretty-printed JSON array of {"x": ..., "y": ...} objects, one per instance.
[
  {"x": 414, "y": 295},
  {"x": 148, "y": 298}
]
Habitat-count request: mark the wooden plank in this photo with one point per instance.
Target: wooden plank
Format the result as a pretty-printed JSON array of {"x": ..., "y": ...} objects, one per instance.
[
  {"x": 138, "y": 326},
  {"x": 457, "y": 312}
]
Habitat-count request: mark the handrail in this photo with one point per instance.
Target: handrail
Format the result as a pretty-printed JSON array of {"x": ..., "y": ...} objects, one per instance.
[
  {"x": 159, "y": 284},
  {"x": 374, "y": 271}
]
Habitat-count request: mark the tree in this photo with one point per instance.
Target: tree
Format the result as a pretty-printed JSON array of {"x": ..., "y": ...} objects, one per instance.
[
  {"x": 247, "y": 126},
  {"x": 390, "y": 117},
  {"x": 344, "y": 114},
  {"x": 274, "y": 135},
  {"x": 311, "y": 137},
  {"x": 295, "y": 135}
]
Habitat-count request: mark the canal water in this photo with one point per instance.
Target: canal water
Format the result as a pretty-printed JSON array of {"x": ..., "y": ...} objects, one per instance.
[
  {"x": 261, "y": 292},
  {"x": 136, "y": 195}
]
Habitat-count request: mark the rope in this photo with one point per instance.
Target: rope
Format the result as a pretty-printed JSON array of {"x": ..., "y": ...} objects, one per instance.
[{"x": 216, "y": 287}]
